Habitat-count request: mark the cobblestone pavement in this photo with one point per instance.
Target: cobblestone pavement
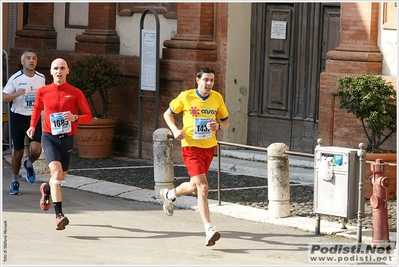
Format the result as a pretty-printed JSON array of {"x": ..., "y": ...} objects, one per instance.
[{"x": 240, "y": 189}]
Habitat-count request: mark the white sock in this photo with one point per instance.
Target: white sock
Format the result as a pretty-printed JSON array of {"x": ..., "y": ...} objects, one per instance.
[
  {"x": 28, "y": 163},
  {"x": 15, "y": 178},
  {"x": 171, "y": 195},
  {"x": 207, "y": 226}
]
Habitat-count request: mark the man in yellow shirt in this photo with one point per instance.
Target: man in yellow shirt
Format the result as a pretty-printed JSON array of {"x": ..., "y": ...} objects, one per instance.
[{"x": 204, "y": 112}]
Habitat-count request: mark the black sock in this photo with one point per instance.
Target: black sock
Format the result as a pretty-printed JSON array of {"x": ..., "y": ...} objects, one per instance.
[
  {"x": 58, "y": 208},
  {"x": 47, "y": 190}
]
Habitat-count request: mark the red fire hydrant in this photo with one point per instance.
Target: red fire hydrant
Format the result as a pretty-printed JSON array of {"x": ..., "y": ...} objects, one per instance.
[{"x": 379, "y": 202}]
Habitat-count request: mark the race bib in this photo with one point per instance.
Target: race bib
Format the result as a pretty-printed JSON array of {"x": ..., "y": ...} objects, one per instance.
[
  {"x": 29, "y": 100},
  {"x": 58, "y": 124},
  {"x": 200, "y": 130}
]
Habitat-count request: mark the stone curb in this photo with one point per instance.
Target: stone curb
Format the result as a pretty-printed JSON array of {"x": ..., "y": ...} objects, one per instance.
[{"x": 226, "y": 208}]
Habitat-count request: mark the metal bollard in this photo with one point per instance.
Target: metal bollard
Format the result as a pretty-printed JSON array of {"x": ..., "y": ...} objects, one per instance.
[
  {"x": 163, "y": 160},
  {"x": 278, "y": 181},
  {"x": 360, "y": 209},
  {"x": 378, "y": 202}
]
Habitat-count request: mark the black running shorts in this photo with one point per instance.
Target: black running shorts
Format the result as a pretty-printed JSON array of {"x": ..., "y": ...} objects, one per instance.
[
  {"x": 19, "y": 125},
  {"x": 57, "y": 149}
]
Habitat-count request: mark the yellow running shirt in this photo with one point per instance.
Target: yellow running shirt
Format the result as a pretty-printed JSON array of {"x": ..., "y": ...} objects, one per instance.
[{"x": 197, "y": 112}]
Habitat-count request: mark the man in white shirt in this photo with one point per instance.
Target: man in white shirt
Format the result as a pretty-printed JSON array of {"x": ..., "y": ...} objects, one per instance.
[{"x": 21, "y": 90}]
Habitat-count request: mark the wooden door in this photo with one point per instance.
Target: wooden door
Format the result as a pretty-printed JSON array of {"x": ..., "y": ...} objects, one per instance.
[{"x": 288, "y": 47}]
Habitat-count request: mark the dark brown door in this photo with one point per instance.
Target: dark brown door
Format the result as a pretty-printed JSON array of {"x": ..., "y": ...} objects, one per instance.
[{"x": 289, "y": 43}]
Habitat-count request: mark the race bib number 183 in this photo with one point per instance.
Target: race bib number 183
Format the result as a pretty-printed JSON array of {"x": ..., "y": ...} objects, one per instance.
[{"x": 29, "y": 101}]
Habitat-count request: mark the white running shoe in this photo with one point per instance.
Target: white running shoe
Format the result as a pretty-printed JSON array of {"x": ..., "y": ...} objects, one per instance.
[
  {"x": 211, "y": 237},
  {"x": 168, "y": 206}
]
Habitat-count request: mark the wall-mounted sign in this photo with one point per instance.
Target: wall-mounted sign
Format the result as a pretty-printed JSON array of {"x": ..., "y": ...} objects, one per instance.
[
  {"x": 148, "y": 60},
  {"x": 279, "y": 29}
]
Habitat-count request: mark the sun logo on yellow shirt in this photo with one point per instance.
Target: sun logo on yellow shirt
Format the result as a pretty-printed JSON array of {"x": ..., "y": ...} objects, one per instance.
[{"x": 194, "y": 111}]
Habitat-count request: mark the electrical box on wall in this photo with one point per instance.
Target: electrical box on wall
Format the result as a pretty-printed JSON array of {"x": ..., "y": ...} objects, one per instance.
[{"x": 336, "y": 181}]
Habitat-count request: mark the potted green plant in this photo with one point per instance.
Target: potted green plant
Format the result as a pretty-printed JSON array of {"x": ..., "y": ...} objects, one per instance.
[
  {"x": 96, "y": 75},
  {"x": 372, "y": 100}
]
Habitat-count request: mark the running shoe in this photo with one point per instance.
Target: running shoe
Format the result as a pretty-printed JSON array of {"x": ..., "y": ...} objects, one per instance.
[
  {"x": 168, "y": 206},
  {"x": 61, "y": 221},
  {"x": 14, "y": 188},
  {"x": 45, "y": 199},
  {"x": 211, "y": 237},
  {"x": 30, "y": 173}
]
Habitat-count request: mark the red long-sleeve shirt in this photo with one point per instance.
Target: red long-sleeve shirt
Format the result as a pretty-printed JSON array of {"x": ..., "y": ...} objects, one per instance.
[{"x": 60, "y": 98}]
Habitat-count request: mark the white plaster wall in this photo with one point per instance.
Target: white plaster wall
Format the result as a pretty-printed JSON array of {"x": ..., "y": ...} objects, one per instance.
[
  {"x": 130, "y": 26},
  {"x": 388, "y": 44},
  {"x": 237, "y": 71},
  {"x": 79, "y": 16}
]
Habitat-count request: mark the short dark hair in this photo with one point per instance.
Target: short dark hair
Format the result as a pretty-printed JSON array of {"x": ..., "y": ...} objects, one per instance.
[{"x": 204, "y": 70}]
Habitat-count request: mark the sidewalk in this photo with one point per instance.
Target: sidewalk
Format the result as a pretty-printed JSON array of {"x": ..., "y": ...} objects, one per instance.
[
  {"x": 226, "y": 208},
  {"x": 108, "y": 228},
  {"x": 115, "y": 231}
]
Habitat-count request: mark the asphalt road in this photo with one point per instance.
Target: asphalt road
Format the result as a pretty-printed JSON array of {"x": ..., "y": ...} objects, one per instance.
[{"x": 108, "y": 231}]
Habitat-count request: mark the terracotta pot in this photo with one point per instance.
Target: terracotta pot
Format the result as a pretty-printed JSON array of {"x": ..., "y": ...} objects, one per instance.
[
  {"x": 95, "y": 140},
  {"x": 391, "y": 174}
]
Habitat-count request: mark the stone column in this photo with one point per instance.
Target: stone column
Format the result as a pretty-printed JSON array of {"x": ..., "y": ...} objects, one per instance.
[
  {"x": 40, "y": 165},
  {"x": 100, "y": 37},
  {"x": 195, "y": 31},
  {"x": 357, "y": 51},
  {"x": 163, "y": 160},
  {"x": 39, "y": 32},
  {"x": 278, "y": 177}
]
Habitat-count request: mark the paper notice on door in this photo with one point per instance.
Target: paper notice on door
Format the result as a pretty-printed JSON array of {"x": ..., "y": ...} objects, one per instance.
[{"x": 279, "y": 29}]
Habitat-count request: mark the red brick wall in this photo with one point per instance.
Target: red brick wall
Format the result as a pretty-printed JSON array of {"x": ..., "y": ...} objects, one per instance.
[
  {"x": 356, "y": 54},
  {"x": 359, "y": 26},
  {"x": 194, "y": 46},
  {"x": 98, "y": 11},
  {"x": 337, "y": 127},
  {"x": 198, "y": 42}
]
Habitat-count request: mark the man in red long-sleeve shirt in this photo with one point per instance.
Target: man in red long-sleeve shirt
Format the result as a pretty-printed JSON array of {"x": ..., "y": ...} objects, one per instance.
[{"x": 61, "y": 102}]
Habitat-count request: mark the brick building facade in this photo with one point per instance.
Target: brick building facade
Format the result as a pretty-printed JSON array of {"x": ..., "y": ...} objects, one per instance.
[
  {"x": 357, "y": 54},
  {"x": 201, "y": 39}
]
